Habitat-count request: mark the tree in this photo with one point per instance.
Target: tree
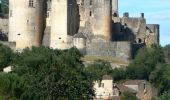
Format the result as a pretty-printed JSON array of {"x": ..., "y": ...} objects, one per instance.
[
  {"x": 6, "y": 55},
  {"x": 165, "y": 96},
  {"x": 128, "y": 96},
  {"x": 167, "y": 53},
  {"x": 145, "y": 62},
  {"x": 97, "y": 69},
  {"x": 53, "y": 74},
  {"x": 160, "y": 78}
]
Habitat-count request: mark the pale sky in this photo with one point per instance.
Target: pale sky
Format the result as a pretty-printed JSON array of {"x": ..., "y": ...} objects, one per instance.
[{"x": 156, "y": 12}]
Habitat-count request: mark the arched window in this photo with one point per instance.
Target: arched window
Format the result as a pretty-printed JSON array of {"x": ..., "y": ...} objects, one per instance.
[{"x": 31, "y": 3}]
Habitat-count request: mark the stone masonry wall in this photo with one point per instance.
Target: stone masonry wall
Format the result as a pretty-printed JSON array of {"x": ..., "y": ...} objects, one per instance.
[
  {"x": 4, "y": 25},
  {"x": 121, "y": 50}
]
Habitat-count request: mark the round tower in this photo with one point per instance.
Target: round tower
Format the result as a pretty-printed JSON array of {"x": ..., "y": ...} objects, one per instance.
[
  {"x": 101, "y": 18},
  {"x": 115, "y": 7},
  {"x": 59, "y": 24},
  {"x": 26, "y": 22},
  {"x": 64, "y": 23}
]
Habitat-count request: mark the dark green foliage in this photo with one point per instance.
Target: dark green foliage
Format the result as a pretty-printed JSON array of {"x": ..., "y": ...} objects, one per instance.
[
  {"x": 165, "y": 96},
  {"x": 167, "y": 53},
  {"x": 160, "y": 78},
  {"x": 128, "y": 96},
  {"x": 6, "y": 55},
  {"x": 98, "y": 69},
  {"x": 118, "y": 74},
  {"x": 4, "y": 7},
  {"x": 12, "y": 85},
  {"x": 145, "y": 62},
  {"x": 52, "y": 74}
]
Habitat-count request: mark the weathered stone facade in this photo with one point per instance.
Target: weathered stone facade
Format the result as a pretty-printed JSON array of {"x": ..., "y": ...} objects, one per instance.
[
  {"x": 26, "y": 22},
  {"x": 93, "y": 26}
]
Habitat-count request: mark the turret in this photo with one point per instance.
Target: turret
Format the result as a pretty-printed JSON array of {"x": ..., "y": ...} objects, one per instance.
[
  {"x": 64, "y": 23},
  {"x": 26, "y": 22},
  {"x": 101, "y": 18},
  {"x": 115, "y": 8}
]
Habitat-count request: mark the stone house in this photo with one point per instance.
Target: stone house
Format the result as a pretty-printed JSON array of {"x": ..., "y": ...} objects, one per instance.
[
  {"x": 104, "y": 88},
  {"x": 107, "y": 90},
  {"x": 144, "y": 89}
]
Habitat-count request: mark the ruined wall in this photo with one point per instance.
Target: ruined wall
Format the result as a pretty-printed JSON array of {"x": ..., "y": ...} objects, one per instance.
[
  {"x": 12, "y": 45},
  {"x": 121, "y": 50},
  {"x": 63, "y": 22},
  {"x": 152, "y": 34},
  {"x": 26, "y": 22},
  {"x": 129, "y": 29}
]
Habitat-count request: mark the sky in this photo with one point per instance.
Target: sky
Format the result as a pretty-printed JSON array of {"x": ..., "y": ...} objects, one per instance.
[{"x": 156, "y": 12}]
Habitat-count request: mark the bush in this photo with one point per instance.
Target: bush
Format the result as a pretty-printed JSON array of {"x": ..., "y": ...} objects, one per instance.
[
  {"x": 6, "y": 55},
  {"x": 128, "y": 96}
]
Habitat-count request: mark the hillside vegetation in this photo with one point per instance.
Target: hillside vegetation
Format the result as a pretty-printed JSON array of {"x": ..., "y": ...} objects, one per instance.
[{"x": 42, "y": 73}]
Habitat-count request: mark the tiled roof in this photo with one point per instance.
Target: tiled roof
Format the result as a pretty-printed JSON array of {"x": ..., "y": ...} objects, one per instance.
[
  {"x": 134, "y": 82},
  {"x": 123, "y": 88},
  {"x": 79, "y": 35}
]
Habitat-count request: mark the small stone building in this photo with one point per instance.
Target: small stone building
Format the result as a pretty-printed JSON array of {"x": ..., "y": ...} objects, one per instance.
[{"x": 104, "y": 88}]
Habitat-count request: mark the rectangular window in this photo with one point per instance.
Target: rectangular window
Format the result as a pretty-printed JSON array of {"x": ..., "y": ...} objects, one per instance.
[
  {"x": 90, "y": 2},
  {"x": 90, "y": 13},
  {"x": 101, "y": 85},
  {"x": 31, "y": 3}
]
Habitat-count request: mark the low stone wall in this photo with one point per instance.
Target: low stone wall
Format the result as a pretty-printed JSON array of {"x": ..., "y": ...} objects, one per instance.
[
  {"x": 12, "y": 45},
  {"x": 121, "y": 50}
]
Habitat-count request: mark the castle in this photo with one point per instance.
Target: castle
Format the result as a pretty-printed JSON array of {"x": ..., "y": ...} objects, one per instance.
[{"x": 93, "y": 26}]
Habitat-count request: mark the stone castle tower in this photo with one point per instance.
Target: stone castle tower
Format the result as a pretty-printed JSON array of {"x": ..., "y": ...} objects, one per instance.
[
  {"x": 26, "y": 22},
  {"x": 93, "y": 26},
  {"x": 64, "y": 23},
  {"x": 95, "y": 17}
]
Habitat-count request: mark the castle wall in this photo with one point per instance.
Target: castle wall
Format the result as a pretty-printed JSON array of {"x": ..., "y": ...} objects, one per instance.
[
  {"x": 129, "y": 29},
  {"x": 12, "y": 45},
  {"x": 48, "y": 14},
  {"x": 4, "y": 25},
  {"x": 102, "y": 18},
  {"x": 64, "y": 20},
  {"x": 81, "y": 12},
  {"x": 152, "y": 34},
  {"x": 97, "y": 17},
  {"x": 25, "y": 22},
  {"x": 121, "y": 50}
]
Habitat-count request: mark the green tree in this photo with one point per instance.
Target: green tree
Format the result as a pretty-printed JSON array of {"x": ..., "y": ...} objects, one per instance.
[
  {"x": 6, "y": 55},
  {"x": 128, "y": 96},
  {"x": 165, "y": 96},
  {"x": 4, "y": 7},
  {"x": 99, "y": 68},
  {"x": 118, "y": 74},
  {"x": 160, "y": 78},
  {"x": 53, "y": 74},
  {"x": 145, "y": 62}
]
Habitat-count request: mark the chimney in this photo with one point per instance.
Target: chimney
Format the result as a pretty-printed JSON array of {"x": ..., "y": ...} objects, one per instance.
[
  {"x": 126, "y": 14},
  {"x": 142, "y": 15}
]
